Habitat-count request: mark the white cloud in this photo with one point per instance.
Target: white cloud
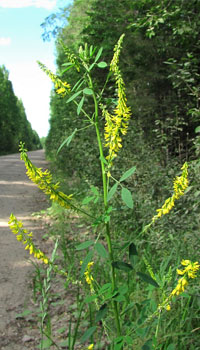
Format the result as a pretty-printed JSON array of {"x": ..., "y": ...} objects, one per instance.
[
  {"x": 47, "y": 4},
  {"x": 5, "y": 41}
]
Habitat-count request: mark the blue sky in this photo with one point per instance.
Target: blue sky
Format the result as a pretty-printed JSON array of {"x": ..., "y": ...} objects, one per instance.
[{"x": 21, "y": 45}]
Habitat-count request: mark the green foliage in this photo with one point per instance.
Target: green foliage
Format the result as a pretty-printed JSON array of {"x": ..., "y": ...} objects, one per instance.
[{"x": 14, "y": 125}]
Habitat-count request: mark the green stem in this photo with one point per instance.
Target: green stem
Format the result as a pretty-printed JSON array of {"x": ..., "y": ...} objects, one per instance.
[{"x": 107, "y": 225}]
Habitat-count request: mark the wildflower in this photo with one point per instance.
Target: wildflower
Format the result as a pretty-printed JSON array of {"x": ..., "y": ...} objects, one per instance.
[
  {"x": 180, "y": 185},
  {"x": 88, "y": 275},
  {"x": 62, "y": 88},
  {"x": 188, "y": 272},
  {"x": 43, "y": 179},
  {"x": 116, "y": 124},
  {"x": 22, "y": 235}
]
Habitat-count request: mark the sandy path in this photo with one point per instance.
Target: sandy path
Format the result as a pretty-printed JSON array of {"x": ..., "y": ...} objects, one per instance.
[{"x": 20, "y": 196}]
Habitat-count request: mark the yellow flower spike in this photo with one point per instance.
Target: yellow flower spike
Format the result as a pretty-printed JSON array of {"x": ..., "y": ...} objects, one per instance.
[
  {"x": 44, "y": 181},
  {"x": 117, "y": 123},
  {"x": 61, "y": 87},
  {"x": 180, "y": 185},
  {"x": 26, "y": 238}
]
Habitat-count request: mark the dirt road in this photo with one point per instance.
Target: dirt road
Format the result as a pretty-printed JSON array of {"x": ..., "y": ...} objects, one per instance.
[{"x": 21, "y": 197}]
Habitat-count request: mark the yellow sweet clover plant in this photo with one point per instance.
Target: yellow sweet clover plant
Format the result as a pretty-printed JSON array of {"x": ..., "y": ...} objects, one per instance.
[{"x": 116, "y": 126}]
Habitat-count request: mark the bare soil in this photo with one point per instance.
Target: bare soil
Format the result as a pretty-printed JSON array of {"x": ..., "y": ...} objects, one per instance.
[{"x": 18, "y": 195}]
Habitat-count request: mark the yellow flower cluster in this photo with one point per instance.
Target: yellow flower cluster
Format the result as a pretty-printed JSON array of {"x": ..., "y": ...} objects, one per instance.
[
  {"x": 43, "y": 179},
  {"x": 190, "y": 271},
  {"x": 87, "y": 273},
  {"x": 180, "y": 185},
  {"x": 62, "y": 88},
  {"x": 117, "y": 124},
  {"x": 23, "y": 236}
]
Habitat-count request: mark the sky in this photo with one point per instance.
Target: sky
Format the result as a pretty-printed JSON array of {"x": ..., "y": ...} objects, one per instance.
[{"x": 21, "y": 45}]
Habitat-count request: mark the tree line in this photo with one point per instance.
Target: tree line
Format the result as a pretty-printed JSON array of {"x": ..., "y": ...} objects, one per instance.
[
  {"x": 14, "y": 126},
  {"x": 160, "y": 64}
]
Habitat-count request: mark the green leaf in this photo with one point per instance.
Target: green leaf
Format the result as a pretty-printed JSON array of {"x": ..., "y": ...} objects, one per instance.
[
  {"x": 89, "y": 299},
  {"x": 66, "y": 69},
  {"x": 99, "y": 54},
  {"x": 105, "y": 288},
  {"x": 101, "y": 250},
  {"x": 92, "y": 50},
  {"x": 78, "y": 84},
  {"x": 123, "y": 289},
  {"x": 119, "y": 297},
  {"x": 101, "y": 313},
  {"x": 148, "y": 279},
  {"x": 132, "y": 250},
  {"x": 119, "y": 343},
  {"x": 129, "y": 307},
  {"x": 132, "y": 253},
  {"x": 46, "y": 343},
  {"x": 24, "y": 314},
  {"x": 127, "y": 173},
  {"x": 102, "y": 64},
  {"x": 64, "y": 343},
  {"x": 66, "y": 141},
  {"x": 128, "y": 339},
  {"x": 112, "y": 191},
  {"x": 88, "y": 334},
  {"x": 67, "y": 64},
  {"x": 84, "y": 245},
  {"x": 74, "y": 96},
  {"x": 80, "y": 105},
  {"x": 103, "y": 160},
  {"x": 127, "y": 197},
  {"x": 87, "y": 91},
  {"x": 90, "y": 67},
  {"x": 95, "y": 190},
  {"x": 197, "y": 129},
  {"x": 171, "y": 347},
  {"x": 87, "y": 200},
  {"x": 85, "y": 262},
  {"x": 120, "y": 265},
  {"x": 61, "y": 330}
]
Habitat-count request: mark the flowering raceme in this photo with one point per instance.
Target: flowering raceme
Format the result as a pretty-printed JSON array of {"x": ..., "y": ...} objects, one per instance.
[
  {"x": 88, "y": 275},
  {"x": 62, "y": 88},
  {"x": 43, "y": 179},
  {"x": 116, "y": 124},
  {"x": 180, "y": 185},
  {"x": 189, "y": 272},
  {"x": 23, "y": 236}
]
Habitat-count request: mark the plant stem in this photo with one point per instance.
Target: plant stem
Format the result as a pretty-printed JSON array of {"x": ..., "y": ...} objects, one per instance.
[{"x": 107, "y": 225}]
